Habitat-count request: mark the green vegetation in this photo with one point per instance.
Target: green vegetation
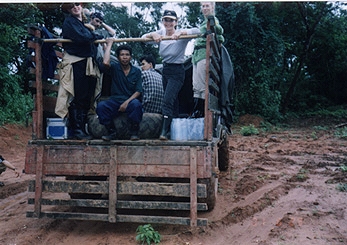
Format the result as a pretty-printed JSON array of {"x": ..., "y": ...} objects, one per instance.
[
  {"x": 146, "y": 234},
  {"x": 302, "y": 175},
  {"x": 249, "y": 130},
  {"x": 289, "y": 57},
  {"x": 341, "y": 133},
  {"x": 342, "y": 187},
  {"x": 343, "y": 168}
]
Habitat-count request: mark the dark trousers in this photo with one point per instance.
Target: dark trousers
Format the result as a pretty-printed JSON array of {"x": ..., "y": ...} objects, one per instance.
[
  {"x": 84, "y": 86},
  {"x": 108, "y": 109},
  {"x": 173, "y": 80}
]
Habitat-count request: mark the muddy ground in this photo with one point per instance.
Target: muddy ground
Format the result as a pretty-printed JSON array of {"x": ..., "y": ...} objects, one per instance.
[{"x": 283, "y": 186}]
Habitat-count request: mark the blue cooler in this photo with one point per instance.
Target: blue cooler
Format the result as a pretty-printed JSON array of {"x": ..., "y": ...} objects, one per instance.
[{"x": 56, "y": 129}]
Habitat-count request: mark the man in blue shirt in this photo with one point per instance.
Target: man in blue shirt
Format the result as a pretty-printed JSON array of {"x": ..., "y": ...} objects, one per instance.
[{"x": 126, "y": 90}]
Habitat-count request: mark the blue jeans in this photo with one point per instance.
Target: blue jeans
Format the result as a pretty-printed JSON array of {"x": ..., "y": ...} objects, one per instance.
[
  {"x": 173, "y": 80},
  {"x": 108, "y": 109}
]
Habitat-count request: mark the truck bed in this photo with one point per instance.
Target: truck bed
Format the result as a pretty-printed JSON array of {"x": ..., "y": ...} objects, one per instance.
[{"x": 122, "y": 180}]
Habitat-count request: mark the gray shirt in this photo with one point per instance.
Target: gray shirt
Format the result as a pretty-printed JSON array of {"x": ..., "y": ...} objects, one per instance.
[{"x": 172, "y": 51}]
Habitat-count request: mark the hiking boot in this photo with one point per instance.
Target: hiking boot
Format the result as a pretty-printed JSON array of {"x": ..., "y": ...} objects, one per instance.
[{"x": 112, "y": 134}]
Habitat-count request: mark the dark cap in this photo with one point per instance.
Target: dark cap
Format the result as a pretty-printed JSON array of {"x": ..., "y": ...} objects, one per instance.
[
  {"x": 97, "y": 15},
  {"x": 170, "y": 14}
]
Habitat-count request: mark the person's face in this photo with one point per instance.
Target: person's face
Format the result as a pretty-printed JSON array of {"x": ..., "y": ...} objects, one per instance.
[
  {"x": 96, "y": 22},
  {"x": 169, "y": 23},
  {"x": 206, "y": 8},
  {"x": 145, "y": 65},
  {"x": 76, "y": 9},
  {"x": 124, "y": 57}
]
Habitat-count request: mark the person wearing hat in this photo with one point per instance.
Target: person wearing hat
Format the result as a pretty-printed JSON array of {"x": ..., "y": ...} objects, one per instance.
[
  {"x": 78, "y": 71},
  {"x": 97, "y": 20},
  {"x": 199, "y": 59},
  {"x": 172, "y": 53}
]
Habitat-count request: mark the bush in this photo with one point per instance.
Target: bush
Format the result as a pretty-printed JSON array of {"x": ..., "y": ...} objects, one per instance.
[
  {"x": 249, "y": 130},
  {"x": 146, "y": 233},
  {"x": 14, "y": 104}
]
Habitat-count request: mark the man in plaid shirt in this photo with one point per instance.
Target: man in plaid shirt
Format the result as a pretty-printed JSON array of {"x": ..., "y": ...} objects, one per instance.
[{"x": 152, "y": 86}]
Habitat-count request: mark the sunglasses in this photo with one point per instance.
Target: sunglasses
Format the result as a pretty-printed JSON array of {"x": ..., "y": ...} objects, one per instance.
[
  {"x": 75, "y": 5},
  {"x": 98, "y": 21},
  {"x": 168, "y": 20}
]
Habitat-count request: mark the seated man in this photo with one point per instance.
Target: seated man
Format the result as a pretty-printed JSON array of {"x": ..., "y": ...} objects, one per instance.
[
  {"x": 152, "y": 86},
  {"x": 126, "y": 90}
]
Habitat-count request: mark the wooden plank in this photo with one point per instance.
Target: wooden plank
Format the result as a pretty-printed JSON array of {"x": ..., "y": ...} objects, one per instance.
[
  {"x": 45, "y": 86},
  {"x": 38, "y": 182},
  {"x": 39, "y": 94},
  {"x": 35, "y": 123},
  {"x": 159, "y": 205},
  {"x": 159, "y": 220},
  {"x": 30, "y": 159},
  {"x": 72, "y": 216},
  {"x": 144, "y": 205},
  {"x": 193, "y": 188},
  {"x": 215, "y": 47},
  {"x": 215, "y": 63},
  {"x": 112, "y": 185},
  {"x": 213, "y": 104},
  {"x": 73, "y": 202},
  {"x": 120, "y": 218},
  {"x": 214, "y": 74},
  {"x": 159, "y": 189},
  {"x": 165, "y": 171},
  {"x": 62, "y": 160},
  {"x": 124, "y": 188},
  {"x": 208, "y": 127},
  {"x": 31, "y": 44},
  {"x": 101, "y": 143},
  {"x": 213, "y": 87}
]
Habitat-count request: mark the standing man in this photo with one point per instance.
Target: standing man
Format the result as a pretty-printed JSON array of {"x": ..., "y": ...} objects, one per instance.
[
  {"x": 97, "y": 20},
  {"x": 152, "y": 86},
  {"x": 126, "y": 90}
]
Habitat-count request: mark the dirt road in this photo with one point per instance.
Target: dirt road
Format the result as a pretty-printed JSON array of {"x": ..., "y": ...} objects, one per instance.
[{"x": 282, "y": 187}]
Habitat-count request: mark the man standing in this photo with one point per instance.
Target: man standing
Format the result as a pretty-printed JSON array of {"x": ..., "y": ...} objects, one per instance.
[
  {"x": 97, "y": 20},
  {"x": 126, "y": 90},
  {"x": 152, "y": 85}
]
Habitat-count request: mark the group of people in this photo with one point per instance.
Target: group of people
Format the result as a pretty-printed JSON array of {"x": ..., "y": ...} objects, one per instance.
[{"x": 132, "y": 91}]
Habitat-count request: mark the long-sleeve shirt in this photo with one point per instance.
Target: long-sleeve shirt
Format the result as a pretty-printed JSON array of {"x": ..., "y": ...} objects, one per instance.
[{"x": 82, "y": 37}]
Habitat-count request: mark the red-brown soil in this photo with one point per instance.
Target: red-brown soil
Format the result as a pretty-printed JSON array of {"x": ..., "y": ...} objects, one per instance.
[{"x": 281, "y": 188}]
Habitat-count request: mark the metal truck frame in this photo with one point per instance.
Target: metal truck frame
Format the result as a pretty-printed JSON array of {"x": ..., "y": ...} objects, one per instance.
[{"x": 145, "y": 181}]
